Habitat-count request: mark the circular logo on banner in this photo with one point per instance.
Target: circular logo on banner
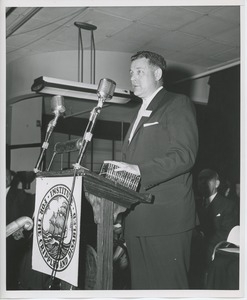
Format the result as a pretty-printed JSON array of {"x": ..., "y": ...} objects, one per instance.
[{"x": 57, "y": 227}]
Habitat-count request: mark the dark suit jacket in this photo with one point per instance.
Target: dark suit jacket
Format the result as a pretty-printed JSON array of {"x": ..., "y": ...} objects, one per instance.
[
  {"x": 217, "y": 220},
  {"x": 18, "y": 204},
  {"x": 164, "y": 146}
]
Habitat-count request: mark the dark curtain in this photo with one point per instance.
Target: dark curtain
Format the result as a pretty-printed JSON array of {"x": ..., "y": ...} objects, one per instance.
[{"x": 219, "y": 126}]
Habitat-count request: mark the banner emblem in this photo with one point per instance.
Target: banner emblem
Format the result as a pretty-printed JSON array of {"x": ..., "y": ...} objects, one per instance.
[{"x": 57, "y": 228}]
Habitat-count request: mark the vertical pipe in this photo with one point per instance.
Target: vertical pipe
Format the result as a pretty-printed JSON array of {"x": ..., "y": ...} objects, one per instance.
[
  {"x": 92, "y": 155},
  {"x": 69, "y": 155},
  {"x": 79, "y": 56},
  {"x": 92, "y": 58},
  {"x": 90, "y": 27},
  {"x": 82, "y": 57},
  {"x": 113, "y": 150},
  {"x": 122, "y": 128}
]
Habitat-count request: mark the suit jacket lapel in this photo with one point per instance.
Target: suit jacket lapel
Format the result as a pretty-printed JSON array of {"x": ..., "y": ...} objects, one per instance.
[
  {"x": 215, "y": 203},
  {"x": 157, "y": 101},
  {"x": 153, "y": 106},
  {"x": 126, "y": 139}
]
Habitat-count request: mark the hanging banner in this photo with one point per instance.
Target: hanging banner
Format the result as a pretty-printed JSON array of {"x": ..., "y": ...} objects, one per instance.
[{"x": 57, "y": 227}]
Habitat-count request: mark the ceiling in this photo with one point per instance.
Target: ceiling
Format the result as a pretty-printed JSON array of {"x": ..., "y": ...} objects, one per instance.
[{"x": 203, "y": 36}]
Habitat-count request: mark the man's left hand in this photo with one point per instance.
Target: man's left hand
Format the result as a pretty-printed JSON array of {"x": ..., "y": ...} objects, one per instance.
[
  {"x": 18, "y": 234},
  {"x": 122, "y": 166}
]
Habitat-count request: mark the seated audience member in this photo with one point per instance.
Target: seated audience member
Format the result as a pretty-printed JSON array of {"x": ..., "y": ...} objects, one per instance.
[
  {"x": 230, "y": 189},
  {"x": 217, "y": 214},
  {"x": 223, "y": 271},
  {"x": 234, "y": 194},
  {"x": 18, "y": 204}
]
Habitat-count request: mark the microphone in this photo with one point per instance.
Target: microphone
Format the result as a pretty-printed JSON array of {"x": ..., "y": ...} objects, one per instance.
[
  {"x": 106, "y": 88},
  {"x": 57, "y": 105},
  {"x": 68, "y": 146},
  {"x": 105, "y": 91}
]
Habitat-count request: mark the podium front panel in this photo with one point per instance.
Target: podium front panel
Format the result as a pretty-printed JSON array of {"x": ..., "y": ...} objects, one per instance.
[{"x": 57, "y": 227}]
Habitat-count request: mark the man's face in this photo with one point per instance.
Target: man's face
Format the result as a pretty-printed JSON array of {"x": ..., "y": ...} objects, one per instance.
[
  {"x": 206, "y": 186},
  {"x": 142, "y": 76}
]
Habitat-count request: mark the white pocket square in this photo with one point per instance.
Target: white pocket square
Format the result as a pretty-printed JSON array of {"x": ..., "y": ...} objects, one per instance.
[
  {"x": 218, "y": 215},
  {"x": 150, "y": 124}
]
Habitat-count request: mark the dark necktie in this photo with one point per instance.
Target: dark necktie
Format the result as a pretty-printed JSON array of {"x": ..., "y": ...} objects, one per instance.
[{"x": 206, "y": 202}]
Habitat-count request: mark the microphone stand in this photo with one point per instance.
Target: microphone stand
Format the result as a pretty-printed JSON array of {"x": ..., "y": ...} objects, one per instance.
[
  {"x": 86, "y": 138},
  {"x": 45, "y": 145},
  {"x": 88, "y": 131}
]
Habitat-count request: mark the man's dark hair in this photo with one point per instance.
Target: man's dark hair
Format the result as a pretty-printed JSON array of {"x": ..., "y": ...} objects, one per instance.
[
  {"x": 209, "y": 174},
  {"x": 154, "y": 59}
]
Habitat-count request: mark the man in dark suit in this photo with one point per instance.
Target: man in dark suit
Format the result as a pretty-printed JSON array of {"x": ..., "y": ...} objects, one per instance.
[
  {"x": 161, "y": 146},
  {"x": 18, "y": 204},
  {"x": 217, "y": 213}
]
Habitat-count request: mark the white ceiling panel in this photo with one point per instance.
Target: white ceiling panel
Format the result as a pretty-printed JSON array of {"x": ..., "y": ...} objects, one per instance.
[
  {"x": 170, "y": 18},
  {"x": 139, "y": 32},
  {"x": 18, "y": 12},
  {"x": 36, "y": 32},
  {"x": 231, "y": 37},
  {"x": 208, "y": 48},
  {"x": 23, "y": 52},
  {"x": 127, "y": 12},
  {"x": 201, "y": 9},
  {"x": 175, "y": 40},
  {"x": 194, "y": 59},
  {"x": 208, "y": 26},
  {"x": 166, "y": 53},
  {"x": 208, "y": 62},
  {"x": 105, "y": 22},
  {"x": 52, "y": 13},
  {"x": 228, "y": 13},
  {"x": 197, "y": 35},
  {"x": 119, "y": 45},
  {"x": 19, "y": 41},
  {"x": 68, "y": 36},
  {"x": 36, "y": 27},
  {"x": 229, "y": 55},
  {"x": 49, "y": 45},
  {"x": 13, "y": 18}
]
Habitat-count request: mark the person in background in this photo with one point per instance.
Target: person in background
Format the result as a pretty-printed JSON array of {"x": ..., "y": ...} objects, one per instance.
[
  {"x": 18, "y": 204},
  {"x": 217, "y": 213},
  {"x": 161, "y": 146},
  {"x": 231, "y": 189}
]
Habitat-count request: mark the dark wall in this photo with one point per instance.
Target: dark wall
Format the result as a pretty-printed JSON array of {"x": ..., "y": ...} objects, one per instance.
[
  {"x": 219, "y": 126},
  {"x": 108, "y": 130}
]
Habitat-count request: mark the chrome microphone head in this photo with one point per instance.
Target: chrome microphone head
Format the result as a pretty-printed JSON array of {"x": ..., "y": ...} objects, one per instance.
[
  {"x": 57, "y": 104},
  {"x": 106, "y": 88}
]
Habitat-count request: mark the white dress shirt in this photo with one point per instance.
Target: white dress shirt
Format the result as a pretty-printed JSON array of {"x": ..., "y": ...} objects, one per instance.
[
  {"x": 7, "y": 189},
  {"x": 141, "y": 112},
  {"x": 211, "y": 198}
]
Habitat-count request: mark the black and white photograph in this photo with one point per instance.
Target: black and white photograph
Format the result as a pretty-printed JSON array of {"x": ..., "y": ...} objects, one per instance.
[{"x": 122, "y": 156}]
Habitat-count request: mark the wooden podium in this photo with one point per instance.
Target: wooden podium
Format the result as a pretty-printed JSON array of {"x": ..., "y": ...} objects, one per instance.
[{"x": 109, "y": 198}]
